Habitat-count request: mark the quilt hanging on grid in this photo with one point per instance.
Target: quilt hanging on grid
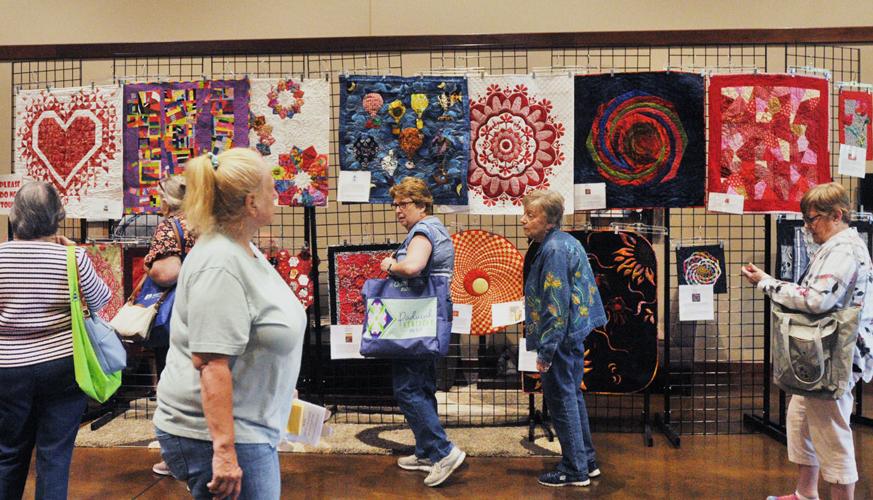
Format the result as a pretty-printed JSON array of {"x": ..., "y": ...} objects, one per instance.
[
  {"x": 71, "y": 138},
  {"x": 167, "y": 123},
  {"x": 642, "y": 134},
  {"x": 855, "y": 126},
  {"x": 107, "y": 260},
  {"x": 702, "y": 265},
  {"x": 521, "y": 137},
  {"x": 622, "y": 356},
  {"x": 768, "y": 138},
  {"x": 349, "y": 267},
  {"x": 289, "y": 124},
  {"x": 396, "y": 127}
]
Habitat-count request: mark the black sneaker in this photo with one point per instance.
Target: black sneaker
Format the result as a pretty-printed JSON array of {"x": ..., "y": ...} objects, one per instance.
[
  {"x": 558, "y": 478},
  {"x": 593, "y": 470}
]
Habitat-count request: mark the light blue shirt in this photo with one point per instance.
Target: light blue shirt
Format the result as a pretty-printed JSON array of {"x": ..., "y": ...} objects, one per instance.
[{"x": 230, "y": 303}]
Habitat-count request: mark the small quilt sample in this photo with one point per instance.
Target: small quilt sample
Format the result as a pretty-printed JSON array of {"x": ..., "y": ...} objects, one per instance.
[
  {"x": 107, "y": 260},
  {"x": 349, "y": 267},
  {"x": 768, "y": 138},
  {"x": 642, "y": 134},
  {"x": 397, "y": 126},
  {"x": 167, "y": 123},
  {"x": 521, "y": 140},
  {"x": 855, "y": 126},
  {"x": 702, "y": 265},
  {"x": 488, "y": 271},
  {"x": 289, "y": 124},
  {"x": 71, "y": 138}
]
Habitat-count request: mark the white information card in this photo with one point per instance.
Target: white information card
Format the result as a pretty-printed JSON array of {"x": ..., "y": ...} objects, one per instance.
[
  {"x": 724, "y": 202},
  {"x": 589, "y": 196},
  {"x": 853, "y": 161},
  {"x": 354, "y": 186},
  {"x": 345, "y": 341},
  {"x": 527, "y": 360},
  {"x": 696, "y": 303},
  {"x": 507, "y": 313},
  {"x": 462, "y": 318}
]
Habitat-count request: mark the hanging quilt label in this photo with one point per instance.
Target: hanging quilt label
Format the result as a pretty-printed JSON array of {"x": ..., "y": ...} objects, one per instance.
[
  {"x": 345, "y": 342},
  {"x": 726, "y": 202},
  {"x": 353, "y": 186},
  {"x": 852, "y": 161},
  {"x": 696, "y": 303},
  {"x": 527, "y": 360},
  {"x": 462, "y": 318},
  {"x": 590, "y": 196},
  {"x": 507, "y": 313}
]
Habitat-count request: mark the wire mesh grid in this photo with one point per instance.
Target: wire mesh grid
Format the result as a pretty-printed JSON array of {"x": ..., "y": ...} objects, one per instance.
[
  {"x": 36, "y": 75},
  {"x": 716, "y": 371}
]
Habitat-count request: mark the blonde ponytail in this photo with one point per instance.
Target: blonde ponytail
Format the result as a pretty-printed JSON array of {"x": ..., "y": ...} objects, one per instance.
[
  {"x": 217, "y": 187},
  {"x": 199, "y": 195}
]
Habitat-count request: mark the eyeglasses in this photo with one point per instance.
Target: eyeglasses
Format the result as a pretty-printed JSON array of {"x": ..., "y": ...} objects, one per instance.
[
  {"x": 810, "y": 220},
  {"x": 401, "y": 204}
]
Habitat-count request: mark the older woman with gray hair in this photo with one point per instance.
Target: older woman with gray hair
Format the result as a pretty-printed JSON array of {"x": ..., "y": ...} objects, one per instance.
[
  {"x": 40, "y": 404},
  {"x": 171, "y": 242},
  {"x": 562, "y": 305}
]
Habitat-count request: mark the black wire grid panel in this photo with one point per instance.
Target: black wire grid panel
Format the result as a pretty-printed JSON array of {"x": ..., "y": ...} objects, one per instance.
[{"x": 716, "y": 367}]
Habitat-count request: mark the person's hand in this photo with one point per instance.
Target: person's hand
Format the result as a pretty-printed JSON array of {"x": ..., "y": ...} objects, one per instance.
[
  {"x": 387, "y": 262},
  {"x": 752, "y": 273},
  {"x": 60, "y": 239},
  {"x": 542, "y": 366},
  {"x": 226, "y": 475}
]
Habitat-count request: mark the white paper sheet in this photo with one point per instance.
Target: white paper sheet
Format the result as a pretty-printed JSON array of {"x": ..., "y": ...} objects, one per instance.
[
  {"x": 462, "y": 317},
  {"x": 590, "y": 196},
  {"x": 345, "y": 342},
  {"x": 724, "y": 202},
  {"x": 507, "y": 313},
  {"x": 527, "y": 360},
  {"x": 852, "y": 161},
  {"x": 354, "y": 186},
  {"x": 305, "y": 422},
  {"x": 696, "y": 303}
]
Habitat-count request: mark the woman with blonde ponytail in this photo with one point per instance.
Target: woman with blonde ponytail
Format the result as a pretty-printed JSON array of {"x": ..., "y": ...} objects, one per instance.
[{"x": 237, "y": 336}]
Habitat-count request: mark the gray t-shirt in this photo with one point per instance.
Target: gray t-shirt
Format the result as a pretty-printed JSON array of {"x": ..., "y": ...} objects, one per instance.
[{"x": 228, "y": 302}]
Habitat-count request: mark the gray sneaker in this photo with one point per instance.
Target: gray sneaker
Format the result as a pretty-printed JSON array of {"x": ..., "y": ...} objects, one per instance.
[
  {"x": 444, "y": 468},
  {"x": 412, "y": 462}
]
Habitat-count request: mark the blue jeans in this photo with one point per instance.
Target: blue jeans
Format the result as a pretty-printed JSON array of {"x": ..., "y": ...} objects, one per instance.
[
  {"x": 40, "y": 405},
  {"x": 563, "y": 396},
  {"x": 190, "y": 460},
  {"x": 414, "y": 388}
]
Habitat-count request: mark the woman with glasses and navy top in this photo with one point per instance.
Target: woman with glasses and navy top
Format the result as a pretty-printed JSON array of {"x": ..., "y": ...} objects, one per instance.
[{"x": 427, "y": 249}]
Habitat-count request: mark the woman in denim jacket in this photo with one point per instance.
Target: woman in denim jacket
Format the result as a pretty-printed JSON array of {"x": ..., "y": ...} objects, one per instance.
[{"x": 562, "y": 305}]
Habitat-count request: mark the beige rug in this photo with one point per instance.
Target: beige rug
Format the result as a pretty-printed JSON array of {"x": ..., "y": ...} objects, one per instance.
[{"x": 352, "y": 439}]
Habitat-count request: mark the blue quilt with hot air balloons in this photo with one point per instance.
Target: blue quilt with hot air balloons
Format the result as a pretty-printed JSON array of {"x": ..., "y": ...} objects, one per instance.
[
  {"x": 642, "y": 134},
  {"x": 398, "y": 126}
]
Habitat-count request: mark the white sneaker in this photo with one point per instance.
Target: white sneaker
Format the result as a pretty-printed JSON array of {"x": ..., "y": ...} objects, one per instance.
[
  {"x": 412, "y": 462},
  {"x": 444, "y": 468}
]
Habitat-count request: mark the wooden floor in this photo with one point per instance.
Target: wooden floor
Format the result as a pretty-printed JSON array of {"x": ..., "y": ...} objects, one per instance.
[{"x": 736, "y": 466}]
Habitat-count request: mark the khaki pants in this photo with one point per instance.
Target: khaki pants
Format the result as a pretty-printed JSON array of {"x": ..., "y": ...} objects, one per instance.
[{"x": 819, "y": 434}]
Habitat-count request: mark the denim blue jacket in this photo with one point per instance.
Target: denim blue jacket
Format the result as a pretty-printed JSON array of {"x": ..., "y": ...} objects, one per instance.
[{"x": 560, "y": 296}]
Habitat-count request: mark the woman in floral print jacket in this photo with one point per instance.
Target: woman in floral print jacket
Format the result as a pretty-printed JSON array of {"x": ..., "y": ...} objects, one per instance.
[
  {"x": 562, "y": 305},
  {"x": 839, "y": 275}
]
